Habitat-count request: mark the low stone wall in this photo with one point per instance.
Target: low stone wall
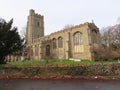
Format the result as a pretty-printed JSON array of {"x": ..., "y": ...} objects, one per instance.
[{"x": 90, "y": 70}]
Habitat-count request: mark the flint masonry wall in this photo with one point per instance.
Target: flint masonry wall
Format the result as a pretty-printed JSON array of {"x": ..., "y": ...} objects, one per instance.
[{"x": 111, "y": 70}]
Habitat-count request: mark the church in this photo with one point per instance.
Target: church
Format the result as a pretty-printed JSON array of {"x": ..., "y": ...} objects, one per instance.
[{"x": 76, "y": 42}]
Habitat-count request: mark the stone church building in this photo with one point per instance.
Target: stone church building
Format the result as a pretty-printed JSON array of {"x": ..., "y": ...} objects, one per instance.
[{"x": 77, "y": 42}]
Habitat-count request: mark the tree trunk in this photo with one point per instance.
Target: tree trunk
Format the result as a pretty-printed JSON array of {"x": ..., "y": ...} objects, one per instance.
[{"x": 2, "y": 60}]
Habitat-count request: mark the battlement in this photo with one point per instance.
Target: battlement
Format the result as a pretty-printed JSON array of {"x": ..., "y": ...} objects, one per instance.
[
  {"x": 88, "y": 24},
  {"x": 73, "y": 27},
  {"x": 32, "y": 13}
]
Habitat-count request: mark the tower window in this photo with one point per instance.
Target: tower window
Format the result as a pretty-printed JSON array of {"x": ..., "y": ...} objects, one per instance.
[{"x": 38, "y": 24}]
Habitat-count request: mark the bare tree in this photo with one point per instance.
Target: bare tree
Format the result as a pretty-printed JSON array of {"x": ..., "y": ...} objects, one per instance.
[
  {"x": 118, "y": 20},
  {"x": 110, "y": 37}
]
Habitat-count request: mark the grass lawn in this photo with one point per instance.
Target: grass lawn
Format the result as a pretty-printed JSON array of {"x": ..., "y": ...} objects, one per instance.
[{"x": 60, "y": 63}]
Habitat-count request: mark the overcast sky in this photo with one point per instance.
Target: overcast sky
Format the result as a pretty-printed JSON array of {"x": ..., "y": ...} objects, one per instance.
[{"x": 58, "y": 13}]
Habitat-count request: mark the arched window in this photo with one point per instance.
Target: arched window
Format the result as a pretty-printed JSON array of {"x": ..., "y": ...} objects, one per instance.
[
  {"x": 78, "y": 38},
  {"x": 48, "y": 50},
  {"x": 60, "y": 42},
  {"x": 54, "y": 43}
]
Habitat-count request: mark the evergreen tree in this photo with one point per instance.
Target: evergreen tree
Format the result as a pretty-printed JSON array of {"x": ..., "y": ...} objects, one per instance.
[{"x": 10, "y": 40}]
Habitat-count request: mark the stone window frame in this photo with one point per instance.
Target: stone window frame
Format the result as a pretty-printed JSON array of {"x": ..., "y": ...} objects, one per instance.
[
  {"x": 38, "y": 23},
  {"x": 47, "y": 50},
  {"x": 78, "y": 38},
  {"x": 54, "y": 43},
  {"x": 60, "y": 42}
]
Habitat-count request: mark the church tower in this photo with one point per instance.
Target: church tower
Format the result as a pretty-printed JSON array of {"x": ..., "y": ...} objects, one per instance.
[{"x": 35, "y": 26}]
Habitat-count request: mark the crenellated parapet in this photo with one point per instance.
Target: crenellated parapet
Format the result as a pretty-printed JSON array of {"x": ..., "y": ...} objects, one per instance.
[
  {"x": 74, "y": 27},
  {"x": 32, "y": 12}
]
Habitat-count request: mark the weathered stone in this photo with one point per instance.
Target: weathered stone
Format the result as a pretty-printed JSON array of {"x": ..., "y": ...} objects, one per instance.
[{"x": 71, "y": 45}]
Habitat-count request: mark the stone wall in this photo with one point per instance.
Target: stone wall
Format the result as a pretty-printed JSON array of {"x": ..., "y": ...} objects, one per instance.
[{"x": 112, "y": 70}]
